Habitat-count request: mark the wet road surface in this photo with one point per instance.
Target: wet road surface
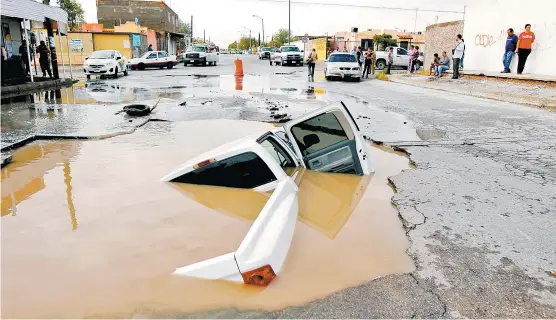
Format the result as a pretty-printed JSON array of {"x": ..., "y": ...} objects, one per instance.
[{"x": 478, "y": 209}]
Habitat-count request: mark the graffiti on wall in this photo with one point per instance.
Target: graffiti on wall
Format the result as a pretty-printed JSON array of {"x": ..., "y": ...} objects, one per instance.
[{"x": 485, "y": 40}]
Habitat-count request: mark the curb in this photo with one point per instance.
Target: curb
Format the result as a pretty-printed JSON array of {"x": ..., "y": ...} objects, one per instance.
[{"x": 15, "y": 90}]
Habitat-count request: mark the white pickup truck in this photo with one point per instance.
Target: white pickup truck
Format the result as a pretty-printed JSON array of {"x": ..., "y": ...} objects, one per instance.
[
  {"x": 287, "y": 55},
  {"x": 201, "y": 54},
  {"x": 401, "y": 59}
]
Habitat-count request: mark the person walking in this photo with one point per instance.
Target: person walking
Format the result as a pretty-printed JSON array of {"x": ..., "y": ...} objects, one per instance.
[
  {"x": 511, "y": 46},
  {"x": 390, "y": 59},
  {"x": 524, "y": 45},
  {"x": 311, "y": 60},
  {"x": 457, "y": 54},
  {"x": 368, "y": 61},
  {"x": 23, "y": 51},
  {"x": 410, "y": 61},
  {"x": 150, "y": 48},
  {"x": 44, "y": 60}
]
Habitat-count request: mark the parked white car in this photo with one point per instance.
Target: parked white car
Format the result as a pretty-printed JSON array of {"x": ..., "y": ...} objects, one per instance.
[
  {"x": 154, "y": 59},
  {"x": 200, "y": 54},
  {"x": 287, "y": 55},
  {"x": 105, "y": 63},
  {"x": 264, "y": 53},
  {"x": 401, "y": 59},
  {"x": 343, "y": 65},
  {"x": 325, "y": 140}
]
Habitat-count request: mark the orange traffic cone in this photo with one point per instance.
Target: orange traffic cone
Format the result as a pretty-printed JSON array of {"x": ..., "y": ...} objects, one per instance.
[
  {"x": 239, "y": 68},
  {"x": 239, "y": 82}
]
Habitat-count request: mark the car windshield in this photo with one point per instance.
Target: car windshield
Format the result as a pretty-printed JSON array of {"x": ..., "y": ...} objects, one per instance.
[
  {"x": 266, "y": 49},
  {"x": 102, "y": 55},
  {"x": 197, "y": 49},
  {"x": 290, "y": 49},
  {"x": 342, "y": 58}
]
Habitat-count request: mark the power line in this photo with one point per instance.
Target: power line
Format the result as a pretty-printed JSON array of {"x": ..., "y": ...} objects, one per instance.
[{"x": 360, "y": 6}]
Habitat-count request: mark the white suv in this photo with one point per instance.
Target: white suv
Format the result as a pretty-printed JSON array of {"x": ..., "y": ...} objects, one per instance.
[{"x": 287, "y": 55}]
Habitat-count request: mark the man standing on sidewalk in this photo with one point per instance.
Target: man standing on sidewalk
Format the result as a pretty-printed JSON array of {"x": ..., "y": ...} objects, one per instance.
[
  {"x": 457, "y": 54},
  {"x": 524, "y": 44},
  {"x": 511, "y": 46},
  {"x": 390, "y": 59}
]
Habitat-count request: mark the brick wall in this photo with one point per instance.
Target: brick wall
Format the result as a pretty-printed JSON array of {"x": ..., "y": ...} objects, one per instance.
[{"x": 441, "y": 37}]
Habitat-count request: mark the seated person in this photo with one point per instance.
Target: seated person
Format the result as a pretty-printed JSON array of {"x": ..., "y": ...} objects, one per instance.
[
  {"x": 434, "y": 64},
  {"x": 443, "y": 64}
]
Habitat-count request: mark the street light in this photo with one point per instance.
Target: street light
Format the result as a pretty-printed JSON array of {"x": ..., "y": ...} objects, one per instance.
[
  {"x": 250, "y": 44},
  {"x": 262, "y": 21}
]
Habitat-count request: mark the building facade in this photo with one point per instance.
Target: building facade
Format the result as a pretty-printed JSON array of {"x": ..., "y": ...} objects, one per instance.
[
  {"x": 441, "y": 37},
  {"x": 154, "y": 15}
]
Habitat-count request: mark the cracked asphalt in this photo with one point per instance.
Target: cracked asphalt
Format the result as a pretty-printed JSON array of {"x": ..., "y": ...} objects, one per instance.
[{"x": 478, "y": 207}]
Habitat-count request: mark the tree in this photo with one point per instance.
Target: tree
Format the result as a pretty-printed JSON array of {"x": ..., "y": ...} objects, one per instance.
[
  {"x": 382, "y": 41},
  {"x": 281, "y": 36},
  {"x": 75, "y": 12},
  {"x": 243, "y": 43},
  {"x": 275, "y": 43},
  {"x": 184, "y": 28}
]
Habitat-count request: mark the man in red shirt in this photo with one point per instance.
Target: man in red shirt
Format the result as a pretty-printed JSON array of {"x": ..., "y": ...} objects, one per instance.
[{"x": 524, "y": 43}]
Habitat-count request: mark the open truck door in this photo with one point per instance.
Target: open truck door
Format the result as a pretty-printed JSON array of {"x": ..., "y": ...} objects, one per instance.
[{"x": 328, "y": 140}]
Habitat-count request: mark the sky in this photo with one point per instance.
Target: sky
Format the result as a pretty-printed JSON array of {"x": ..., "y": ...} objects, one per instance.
[{"x": 224, "y": 21}]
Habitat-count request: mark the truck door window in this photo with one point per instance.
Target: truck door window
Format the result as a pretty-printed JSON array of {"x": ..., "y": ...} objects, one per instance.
[
  {"x": 278, "y": 153},
  {"x": 318, "y": 133},
  {"x": 246, "y": 171},
  {"x": 402, "y": 52}
]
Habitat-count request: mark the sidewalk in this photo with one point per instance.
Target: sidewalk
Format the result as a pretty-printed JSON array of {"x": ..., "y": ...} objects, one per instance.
[
  {"x": 524, "y": 76},
  {"x": 540, "y": 94}
]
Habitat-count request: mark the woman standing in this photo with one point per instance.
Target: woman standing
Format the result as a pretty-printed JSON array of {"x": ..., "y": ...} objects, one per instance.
[
  {"x": 410, "y": 61},
  {"x": 524, "y": 44}
]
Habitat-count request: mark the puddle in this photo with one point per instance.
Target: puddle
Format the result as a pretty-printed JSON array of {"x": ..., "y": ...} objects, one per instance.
[
  {"x": 89, "y": 231},
  {"x": 431, "y": 134}
]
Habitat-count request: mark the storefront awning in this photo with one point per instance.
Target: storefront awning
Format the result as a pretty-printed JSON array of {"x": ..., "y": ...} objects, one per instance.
[{"x": 32, "y": 10}]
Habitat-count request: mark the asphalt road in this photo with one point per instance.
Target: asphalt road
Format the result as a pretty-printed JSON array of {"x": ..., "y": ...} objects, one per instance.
[{"x": 478, "y": 207}]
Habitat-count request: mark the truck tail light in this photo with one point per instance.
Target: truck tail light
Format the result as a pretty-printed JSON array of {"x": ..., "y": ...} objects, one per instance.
[
  {"x": 203, "y": 163},
  {"x": 260, "y": 277}
]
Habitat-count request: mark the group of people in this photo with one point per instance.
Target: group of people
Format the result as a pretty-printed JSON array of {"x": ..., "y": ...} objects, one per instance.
[
  {"x": 44, "y": 57},
  {"x": 366, "y": 60},
  {"x": 521, "y": 45},
  {"x": 440, "y": 64}
]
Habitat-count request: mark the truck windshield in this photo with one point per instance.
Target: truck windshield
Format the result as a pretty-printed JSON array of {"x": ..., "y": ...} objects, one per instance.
[
  {"x": 197, "y": 49},
  {"x": 266, "y": 49},
  {"x": 342, "y": 58},
  {"x": 290, "y": 49}
]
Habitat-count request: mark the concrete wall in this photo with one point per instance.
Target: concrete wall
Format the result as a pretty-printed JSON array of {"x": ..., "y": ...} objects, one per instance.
[
  {"x": 154, "y": 15},
  {"x": 441, "y": 37},
  {"x": 486, "y": 22},
  {"x": 319, "y": 45}
]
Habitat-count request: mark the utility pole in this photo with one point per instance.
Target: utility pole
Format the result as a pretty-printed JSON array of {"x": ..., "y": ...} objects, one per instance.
[
  {"x": 191, "y": 30},
  {"x": 289, "y": 20},
  {"x": 262, "y": 22},
  {"x": 51, "y": 44},
  {"x": 415, "y": 25},
  {"x": 260, "y": 40},
  {"x": 204, "y": 40}
]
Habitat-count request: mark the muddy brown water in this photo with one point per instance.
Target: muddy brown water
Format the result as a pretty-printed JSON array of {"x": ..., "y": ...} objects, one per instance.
[{"x": 88, "y": 230}]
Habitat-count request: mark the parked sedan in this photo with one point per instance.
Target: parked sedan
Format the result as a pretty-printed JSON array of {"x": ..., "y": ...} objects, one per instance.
[
  {"x": 342, "y": 65},
  {"x": 104, "y": 63},
  {"x": 154, "y": 59}
]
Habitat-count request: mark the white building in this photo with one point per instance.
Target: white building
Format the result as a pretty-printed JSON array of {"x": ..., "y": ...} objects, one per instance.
[{"x": 486, "y": 22}]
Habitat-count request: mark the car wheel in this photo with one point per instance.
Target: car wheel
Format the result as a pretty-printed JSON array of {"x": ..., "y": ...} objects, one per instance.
[
  {"x": 170, "y": 65},
  {"x": 380, "y": 64},
  {"x": 185, "y": 64},
  {"x": 328, "y": 78},
  {"x": 214, "y": 63},
  {"x": 133, "y": 67},
  {"x": 126, "y": 72},
  {"x": 141, "y": 66},
  {"x": 204, "y": 62},
  {"x": 88, "y": 77},
  {"x": 116, "y": 73}
]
